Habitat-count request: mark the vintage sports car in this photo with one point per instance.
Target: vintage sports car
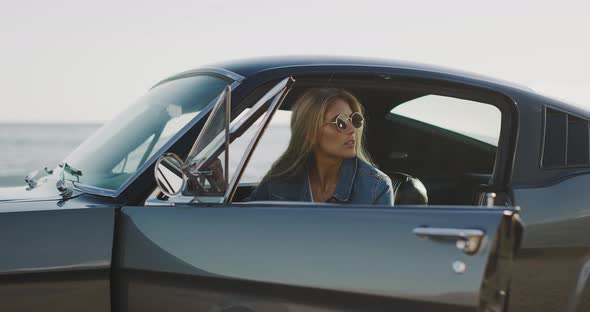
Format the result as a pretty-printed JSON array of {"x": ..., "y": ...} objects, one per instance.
[{"x": 152, "y": 213}]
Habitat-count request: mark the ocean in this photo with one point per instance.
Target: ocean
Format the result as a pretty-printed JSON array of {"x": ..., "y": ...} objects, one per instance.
[{"x": 28, "y": 147}]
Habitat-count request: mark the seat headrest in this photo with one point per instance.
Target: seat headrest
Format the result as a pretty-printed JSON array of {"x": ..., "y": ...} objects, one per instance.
[{"x": 408, "y": 190}]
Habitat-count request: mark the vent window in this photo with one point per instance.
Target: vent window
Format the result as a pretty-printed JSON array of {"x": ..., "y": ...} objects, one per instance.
[
  {"x": 566, "y": 140},
  {"x": 555, "y": 138},
  {"x": 577, "y": 141}
]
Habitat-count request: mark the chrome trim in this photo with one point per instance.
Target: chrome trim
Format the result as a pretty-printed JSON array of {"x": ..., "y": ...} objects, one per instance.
[
  {"x": 206, "y": 70},
  {"x": 567, "y": 136},
  {"x": 220, "y": 71},
  {"x": 227, "y": 140},
  {"x": 278, "y": 94},
  {"x": 158, "y": 202},
  {"x": 30, "y": 179},
  {"x": 193, "y": 152},
  {"x": 469, "y": 241},
  {"x": 224, "y": 97},
  {"x": 447, "y": 232},
  {"x": 544, "y": 134},
  {"x": 490, "y": 198},
  {"x": 168, "y": 144},
  {"x": 61, "y": 186},
  {"x": 183, "y": 176},
  {"x": 89, "y": 189},
  {"x": 459, "y": 267}
]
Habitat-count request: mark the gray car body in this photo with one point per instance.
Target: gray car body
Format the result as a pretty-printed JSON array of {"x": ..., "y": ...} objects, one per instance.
[{"x": 100, "y": 253}]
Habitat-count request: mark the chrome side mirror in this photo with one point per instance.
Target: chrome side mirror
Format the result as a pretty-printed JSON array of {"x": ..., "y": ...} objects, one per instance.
[{"x": 169, "y": 174}]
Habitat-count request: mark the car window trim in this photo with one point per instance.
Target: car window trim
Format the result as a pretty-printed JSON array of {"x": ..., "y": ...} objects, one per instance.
[
  {"x": 236, "y": 128},
  {"x": 212, "y": 71},
  {"x": 278, "y": 99}
]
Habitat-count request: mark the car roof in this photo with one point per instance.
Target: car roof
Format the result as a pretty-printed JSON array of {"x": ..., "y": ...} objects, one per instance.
[{"x": 249, "y": 67}]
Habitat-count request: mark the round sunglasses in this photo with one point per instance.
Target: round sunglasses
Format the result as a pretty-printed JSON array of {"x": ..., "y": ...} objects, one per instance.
[{"x": 356, "y": 120}]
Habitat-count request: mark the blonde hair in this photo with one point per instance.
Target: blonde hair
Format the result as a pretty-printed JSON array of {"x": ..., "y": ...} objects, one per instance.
[{"x": 306, "y": 119}]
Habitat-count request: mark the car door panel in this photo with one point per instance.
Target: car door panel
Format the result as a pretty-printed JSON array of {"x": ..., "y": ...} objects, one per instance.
[
  {"x": 59, "y": 257},
  {"x": 205, "y": 257},
  {"x": 164, "y": 292}
]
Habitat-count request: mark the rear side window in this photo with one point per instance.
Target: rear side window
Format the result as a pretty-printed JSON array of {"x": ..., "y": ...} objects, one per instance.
[
  {"x": 577, "y": 141},
  {"x": 555, "y": 138},
  {"x": 566, "y": 140}
]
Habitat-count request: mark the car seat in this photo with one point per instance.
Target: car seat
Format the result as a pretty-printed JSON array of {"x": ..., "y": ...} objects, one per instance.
[{"x": 408, "y": 190}]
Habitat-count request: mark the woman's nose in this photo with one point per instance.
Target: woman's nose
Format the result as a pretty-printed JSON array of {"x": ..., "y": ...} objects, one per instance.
[{"x": 349, "y": 127}]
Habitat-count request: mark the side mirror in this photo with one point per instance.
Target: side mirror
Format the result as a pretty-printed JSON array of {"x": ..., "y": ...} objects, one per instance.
[{"x": 169, "y": 175}]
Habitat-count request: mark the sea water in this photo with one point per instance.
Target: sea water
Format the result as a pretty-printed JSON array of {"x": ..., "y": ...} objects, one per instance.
[{"x": 28, "y": 147}]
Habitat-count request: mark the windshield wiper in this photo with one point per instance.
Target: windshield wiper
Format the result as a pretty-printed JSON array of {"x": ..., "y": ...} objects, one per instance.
[
  {"x": 71, "y": 170},
  {"x": 33, "y": 176},
  {"x": 61, "y": 183}
]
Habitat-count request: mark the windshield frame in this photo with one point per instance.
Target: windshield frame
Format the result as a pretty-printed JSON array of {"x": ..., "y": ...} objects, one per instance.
[{"x": 222, "y": 73}]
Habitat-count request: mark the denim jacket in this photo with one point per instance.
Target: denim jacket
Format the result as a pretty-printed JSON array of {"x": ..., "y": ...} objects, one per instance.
[{"x": 358, "y": 183}]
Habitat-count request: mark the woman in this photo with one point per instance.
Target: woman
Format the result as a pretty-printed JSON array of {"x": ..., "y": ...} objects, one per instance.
[{"x": 325, "y": 160}]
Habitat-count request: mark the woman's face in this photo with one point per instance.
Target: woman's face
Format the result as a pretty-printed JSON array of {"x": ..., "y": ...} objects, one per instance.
[{"x": 331, "y": 141}]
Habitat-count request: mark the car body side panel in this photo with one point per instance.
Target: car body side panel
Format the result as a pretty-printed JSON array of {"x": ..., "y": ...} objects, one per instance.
[
  {"x": 55, "y": 258},
  {"x": 556, "y": 243},
  {"x": 217, "y": 252},
  {"x": 554, "y": 207},
  {"x": 149, "y": 291}
]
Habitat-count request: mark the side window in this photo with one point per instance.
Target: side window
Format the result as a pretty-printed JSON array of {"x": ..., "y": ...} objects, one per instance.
[
  {"x": 472, "y": 119},
  {"x": 219, "y": 153},
  {"x": 272, "y": 144},
  {"x": 449, "y": 143}
]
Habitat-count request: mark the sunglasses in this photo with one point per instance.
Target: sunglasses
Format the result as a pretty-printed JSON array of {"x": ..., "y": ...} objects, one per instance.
[{"x": 356, "y": 120}]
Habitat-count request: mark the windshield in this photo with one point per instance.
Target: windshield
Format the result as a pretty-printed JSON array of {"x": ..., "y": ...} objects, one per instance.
[{"x": 117, "y": 150}]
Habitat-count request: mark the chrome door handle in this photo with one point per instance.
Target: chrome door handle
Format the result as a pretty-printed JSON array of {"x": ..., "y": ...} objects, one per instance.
[
  {"x": 446, "y": 232},
  {"x": 467, "y": 240}
]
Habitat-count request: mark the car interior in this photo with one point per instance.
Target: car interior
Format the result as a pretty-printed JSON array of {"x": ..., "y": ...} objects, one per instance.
[{"x": 427, "y": 164}]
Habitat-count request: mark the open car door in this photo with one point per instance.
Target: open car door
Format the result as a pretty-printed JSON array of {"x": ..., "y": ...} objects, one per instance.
[{"x": 212, "y": 255}]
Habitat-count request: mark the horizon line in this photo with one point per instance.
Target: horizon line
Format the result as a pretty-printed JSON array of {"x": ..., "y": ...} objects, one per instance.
[{"x": 52, "y": 122}]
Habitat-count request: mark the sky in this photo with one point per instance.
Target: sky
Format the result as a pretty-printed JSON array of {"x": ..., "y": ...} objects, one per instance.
[{"x": 84, "y": 61}]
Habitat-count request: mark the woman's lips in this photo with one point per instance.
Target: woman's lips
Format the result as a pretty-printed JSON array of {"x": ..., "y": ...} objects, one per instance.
[{"x": 349, "y": 143}]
